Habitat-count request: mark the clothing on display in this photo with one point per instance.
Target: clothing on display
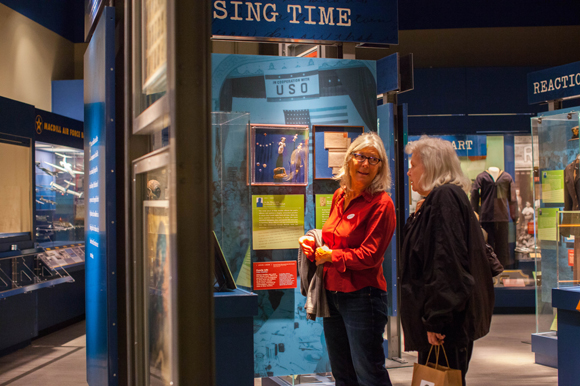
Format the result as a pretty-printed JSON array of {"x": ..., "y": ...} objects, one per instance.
[
  {"x": 497, "y": 196},
  {"x": 497, "y": 209},
  {"x": 571, "y": 202}
]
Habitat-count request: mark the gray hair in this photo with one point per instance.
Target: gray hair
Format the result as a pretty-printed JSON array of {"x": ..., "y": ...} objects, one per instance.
[
  {"x": 441, "y": 163},
  {"x": 382, "y": 181}
]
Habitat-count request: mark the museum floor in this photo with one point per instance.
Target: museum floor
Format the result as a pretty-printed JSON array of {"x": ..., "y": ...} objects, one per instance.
[{"x": 503, "y": 358}]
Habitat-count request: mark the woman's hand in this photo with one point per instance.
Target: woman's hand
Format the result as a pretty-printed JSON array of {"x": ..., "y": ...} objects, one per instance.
[
  {"x": 323, "y": 255},
  {"x": 307, "y": 245},
  {"x": 435, "y": 338}
]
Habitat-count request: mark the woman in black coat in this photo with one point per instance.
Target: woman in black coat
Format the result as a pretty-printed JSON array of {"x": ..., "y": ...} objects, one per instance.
[{"x": 446, "y": 284}]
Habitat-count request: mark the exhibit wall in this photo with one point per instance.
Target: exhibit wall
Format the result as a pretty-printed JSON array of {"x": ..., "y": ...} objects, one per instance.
[
  {"x": 16, "y": 189},
  {"x": 279, "y": 91},
  {"x": 32, "y": 57}
]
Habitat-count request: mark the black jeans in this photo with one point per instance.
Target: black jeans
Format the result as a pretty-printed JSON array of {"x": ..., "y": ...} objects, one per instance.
[
  {"x": 354, "y": 337},
  {"x": 459, "y": 358}
]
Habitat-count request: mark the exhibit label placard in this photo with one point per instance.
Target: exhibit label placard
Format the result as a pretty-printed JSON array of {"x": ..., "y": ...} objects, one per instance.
[
  {"x": 547, "y": 224},
  {"x": 275, "y": 275},
  {"x": 553, "y": 186},
  {"x": 554, "y": 83},
  {"x": 277, "y": 221},
  {"x": 323, "y": 206},
  {"x": 369, "y": 21}
]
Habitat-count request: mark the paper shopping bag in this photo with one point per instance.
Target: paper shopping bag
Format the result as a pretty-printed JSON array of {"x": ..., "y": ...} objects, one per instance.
[
  {"x": 428, "y": 375},
  {"x": 434, "y": 374}
]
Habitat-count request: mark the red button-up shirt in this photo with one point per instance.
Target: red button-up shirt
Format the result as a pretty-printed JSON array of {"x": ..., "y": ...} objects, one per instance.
[{"x": 358, "y": 238}]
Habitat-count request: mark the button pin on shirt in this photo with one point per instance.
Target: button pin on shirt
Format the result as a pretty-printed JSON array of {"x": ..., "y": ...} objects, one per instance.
[{"x": 350, "y": 216}]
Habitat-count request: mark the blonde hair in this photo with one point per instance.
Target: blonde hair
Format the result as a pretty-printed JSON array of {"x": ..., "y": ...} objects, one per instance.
[
  {"x": 382, "y": 181},
  {"x": 441, "y": 163}
]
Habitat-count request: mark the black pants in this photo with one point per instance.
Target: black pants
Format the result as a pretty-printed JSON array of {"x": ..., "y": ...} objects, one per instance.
[
  {"x": 354, "y": 337},
  {"x": 459, "y": 358}
]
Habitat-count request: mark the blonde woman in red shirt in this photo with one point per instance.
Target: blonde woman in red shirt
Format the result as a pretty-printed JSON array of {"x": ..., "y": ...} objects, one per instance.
[{"x": 356, "y": 236}]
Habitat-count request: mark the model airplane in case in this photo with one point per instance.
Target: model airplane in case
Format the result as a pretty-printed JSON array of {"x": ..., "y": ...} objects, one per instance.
[{"x": 65, "y": 166}]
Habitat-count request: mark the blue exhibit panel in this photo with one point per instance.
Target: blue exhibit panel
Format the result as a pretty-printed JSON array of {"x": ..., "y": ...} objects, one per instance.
[
  {"x": 102, "y": 356},
  {"x": 67, "y": 98},
  {"x": 234, "y": 312},
  {"x": 58, "y": 129},
  {"x": 16, "y": 118},
  {"x": 337, "y": 92},
  {"x": 371, "y": 21},
  {"x": 386, "y": 127},
  {"x": 466, "y": 145},
  {"x": 388, "y": 74},
  {"x": 567, "y": 301},
  {"x": 554, "y": 83}
]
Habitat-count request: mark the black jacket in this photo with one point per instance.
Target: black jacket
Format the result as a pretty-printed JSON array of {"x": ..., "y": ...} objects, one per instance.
[
  {"x": 446, "y": 283},
  {"x": 496, "y": 197}
]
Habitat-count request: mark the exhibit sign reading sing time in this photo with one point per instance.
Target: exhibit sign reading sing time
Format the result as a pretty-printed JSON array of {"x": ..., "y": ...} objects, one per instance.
[
  {"x": 554, "y": 83},
  {"x": 369, "y": 21}
]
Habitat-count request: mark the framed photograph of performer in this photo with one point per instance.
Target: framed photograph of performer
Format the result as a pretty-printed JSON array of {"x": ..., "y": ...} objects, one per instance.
[
  {"x": 279, "y": 154},
  {"x": 329, "y": 144}
]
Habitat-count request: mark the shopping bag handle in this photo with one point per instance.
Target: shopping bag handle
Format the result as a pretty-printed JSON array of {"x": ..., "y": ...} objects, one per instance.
[{"x": 437, "y": 356}]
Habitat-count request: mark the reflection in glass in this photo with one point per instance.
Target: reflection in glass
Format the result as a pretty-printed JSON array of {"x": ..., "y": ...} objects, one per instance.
[
  {"x": 158, "y": 293},
  {"x": 155, "y": 49},
  {"x": 157, "y": 278}
]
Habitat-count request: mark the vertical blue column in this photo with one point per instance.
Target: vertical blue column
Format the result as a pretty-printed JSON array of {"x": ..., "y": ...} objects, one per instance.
[
  {"x": 386, "y": 124},
  {"x": 510, "y": 168},
  {"x": 100, "y": 188}
]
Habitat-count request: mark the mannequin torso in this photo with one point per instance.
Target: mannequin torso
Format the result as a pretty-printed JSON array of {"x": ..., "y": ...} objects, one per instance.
[{"x": 494, "y": 172}]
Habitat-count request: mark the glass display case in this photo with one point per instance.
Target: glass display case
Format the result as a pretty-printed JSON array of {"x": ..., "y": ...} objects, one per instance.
[
  {"x": 59, "y": 197},
  {"x": 153, "y": 272},
  {"x": 150, "y": 102},
  {"x": 28, "y": 263},
  {"x": 31, "y": 269},
  {"x": 500, "y": 169},
  {"x": 556, "y": 191},
  {"x": 231, "y": 191}
]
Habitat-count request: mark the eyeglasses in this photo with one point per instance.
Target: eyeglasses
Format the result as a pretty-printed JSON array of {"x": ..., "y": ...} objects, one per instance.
[{"x": 361, "y": 158}]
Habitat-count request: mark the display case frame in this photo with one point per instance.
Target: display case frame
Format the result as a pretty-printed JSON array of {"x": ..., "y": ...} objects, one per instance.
[
  {"x": 150, "y": 105},
  {"x": 153, "y": 334},
  {"x": 263, "y": 154}
]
